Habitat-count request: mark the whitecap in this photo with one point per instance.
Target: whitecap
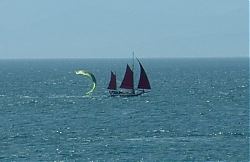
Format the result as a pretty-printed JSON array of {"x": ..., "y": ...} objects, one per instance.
[{"x": 64, "y": 96}]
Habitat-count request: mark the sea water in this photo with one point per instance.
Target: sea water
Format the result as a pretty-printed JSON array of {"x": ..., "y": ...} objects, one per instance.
[{"x": 197, "y": 110}]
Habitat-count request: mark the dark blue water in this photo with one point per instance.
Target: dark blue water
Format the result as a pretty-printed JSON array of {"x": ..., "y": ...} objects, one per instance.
[{"x": 198, "y": 110}]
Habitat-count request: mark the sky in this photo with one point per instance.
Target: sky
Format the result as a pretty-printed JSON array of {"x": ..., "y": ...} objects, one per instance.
[{"x": 116, "y": 28}]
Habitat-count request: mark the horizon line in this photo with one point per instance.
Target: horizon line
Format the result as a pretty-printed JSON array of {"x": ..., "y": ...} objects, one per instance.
[{"x": 65, "y": 58}]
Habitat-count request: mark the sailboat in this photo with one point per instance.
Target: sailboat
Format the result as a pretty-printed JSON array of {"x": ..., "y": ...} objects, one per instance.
[{"x": 127, "y": 88}]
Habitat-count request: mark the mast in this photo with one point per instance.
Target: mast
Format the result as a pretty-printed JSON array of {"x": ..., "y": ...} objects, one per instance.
[{"x": 133, "y": 67}]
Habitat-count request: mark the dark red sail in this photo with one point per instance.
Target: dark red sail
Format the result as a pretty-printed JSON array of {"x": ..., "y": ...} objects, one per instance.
[
  {"x": 143, "y": 82},
  {"x": 112, "y": 83},
  {"x": 128, "y": 80}
]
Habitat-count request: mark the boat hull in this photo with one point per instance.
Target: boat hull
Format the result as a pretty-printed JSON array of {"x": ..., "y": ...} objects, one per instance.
[{"x": 125, "y": 94}]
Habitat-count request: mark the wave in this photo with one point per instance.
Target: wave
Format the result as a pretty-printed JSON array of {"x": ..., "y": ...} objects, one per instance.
[
  {"x": 189, "y": 138},
  {"x": 28, "y": 97},
  {"x": 66, "y": 96},
  {"x": 77, "y": 96}
]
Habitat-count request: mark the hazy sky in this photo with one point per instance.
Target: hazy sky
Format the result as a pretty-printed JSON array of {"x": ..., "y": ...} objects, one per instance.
[{"x": 115, "y": 28}]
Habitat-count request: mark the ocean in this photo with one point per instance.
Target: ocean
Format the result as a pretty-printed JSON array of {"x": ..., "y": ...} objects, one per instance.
[{"x": 197, "y": 110}]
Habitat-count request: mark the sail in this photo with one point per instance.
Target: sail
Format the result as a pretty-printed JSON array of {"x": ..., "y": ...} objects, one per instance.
[
  {"x": 112, "y": 83},
  {"x": 143, "y": 82},
  {"x": 128, "y": 80}
]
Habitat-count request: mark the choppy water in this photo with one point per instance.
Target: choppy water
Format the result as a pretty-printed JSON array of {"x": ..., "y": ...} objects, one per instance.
[{"x": 198, "y": 110}]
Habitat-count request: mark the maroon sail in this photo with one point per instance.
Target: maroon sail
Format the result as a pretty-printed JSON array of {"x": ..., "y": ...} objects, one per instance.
[
  {"x": 128, "y": 80},
  {"x": 143, "y": 82},
  {"x": 112, "y": 83}
]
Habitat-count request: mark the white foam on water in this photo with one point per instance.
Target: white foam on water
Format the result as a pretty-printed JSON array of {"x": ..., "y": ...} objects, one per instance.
[
  {"x": 65, "y": 96},
  {"x": 27, "y": 97}
]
